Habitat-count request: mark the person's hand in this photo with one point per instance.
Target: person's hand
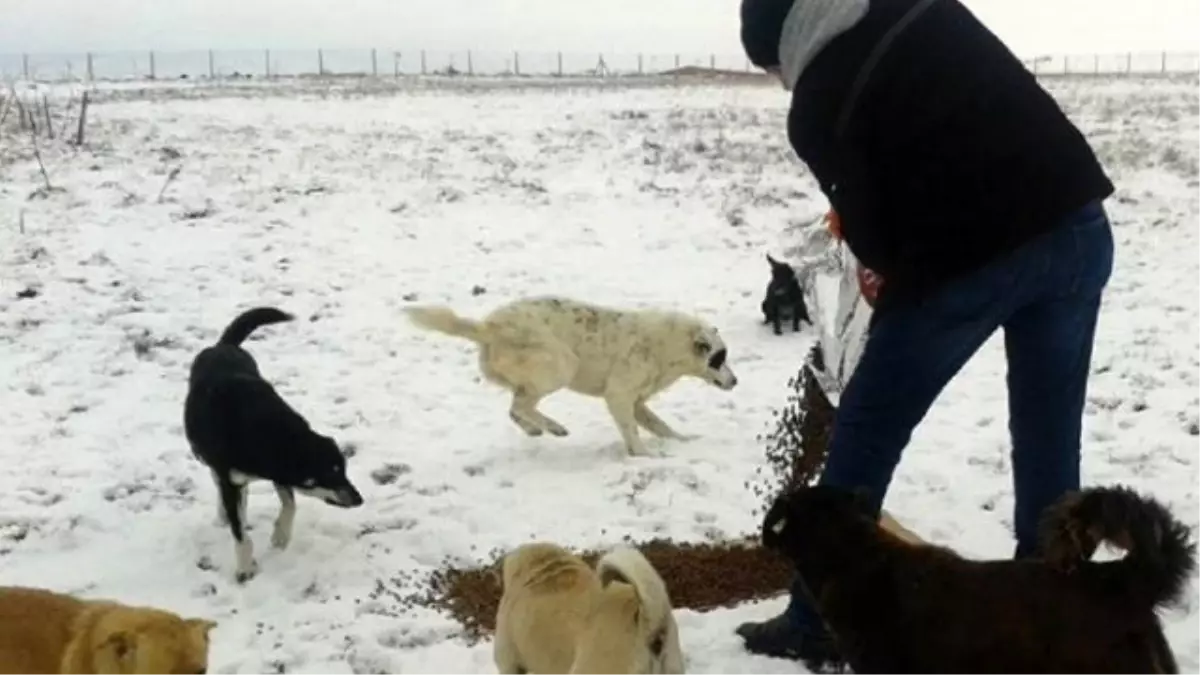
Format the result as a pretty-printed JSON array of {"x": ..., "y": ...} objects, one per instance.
[
  {"x": 834, "y": 223},
  {"x": 869, "y": 282}
]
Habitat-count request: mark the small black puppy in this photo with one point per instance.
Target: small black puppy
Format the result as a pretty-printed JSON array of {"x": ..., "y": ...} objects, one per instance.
[
  {"x": 785, "y": 298},
  {"x": 241, "y": 429}
]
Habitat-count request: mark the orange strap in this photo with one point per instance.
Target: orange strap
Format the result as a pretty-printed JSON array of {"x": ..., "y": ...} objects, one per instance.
[{"x": 834, "y": 223}]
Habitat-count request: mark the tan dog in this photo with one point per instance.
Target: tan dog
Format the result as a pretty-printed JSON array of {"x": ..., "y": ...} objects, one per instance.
[
  {"x": 557, "y": 615},
  {"x": 536, "y": 346},
  {"x": 46, "y": 632}
]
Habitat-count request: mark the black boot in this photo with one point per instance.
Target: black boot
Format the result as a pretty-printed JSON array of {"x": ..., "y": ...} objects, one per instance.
[{"x": 781, "y": 638}]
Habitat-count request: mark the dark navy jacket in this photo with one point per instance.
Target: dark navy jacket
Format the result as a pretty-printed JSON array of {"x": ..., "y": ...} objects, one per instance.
[{"x": 952, "y": 155}]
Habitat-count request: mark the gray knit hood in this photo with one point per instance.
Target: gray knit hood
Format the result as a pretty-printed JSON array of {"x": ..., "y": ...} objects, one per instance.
[{"x": 809, "y": 26}]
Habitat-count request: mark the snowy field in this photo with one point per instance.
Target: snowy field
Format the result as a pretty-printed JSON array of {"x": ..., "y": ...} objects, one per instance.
[{"x": 342, "y": 209}]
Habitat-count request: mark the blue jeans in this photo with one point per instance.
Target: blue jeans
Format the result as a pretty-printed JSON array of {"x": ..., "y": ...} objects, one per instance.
[{"x": 1046, "y": 296}]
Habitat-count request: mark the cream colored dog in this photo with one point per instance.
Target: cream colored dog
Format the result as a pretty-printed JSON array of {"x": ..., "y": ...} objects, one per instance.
[
  {"x": 46, "y": 632},
  {"x": 536, "y": 346},
  {"x": 557, "y": 615}
]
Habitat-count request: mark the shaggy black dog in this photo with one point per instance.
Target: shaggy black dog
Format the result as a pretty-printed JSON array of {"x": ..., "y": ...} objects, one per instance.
[
  {"x": 898, "y": 608},
  {"x": 784, "y": 298}
]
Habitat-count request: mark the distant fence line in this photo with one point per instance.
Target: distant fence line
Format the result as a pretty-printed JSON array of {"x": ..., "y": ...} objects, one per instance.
[{"x": 223, "y": 64}]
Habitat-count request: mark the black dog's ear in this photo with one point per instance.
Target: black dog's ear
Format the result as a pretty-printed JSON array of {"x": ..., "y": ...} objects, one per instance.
[{"x": 772, "y": 261}]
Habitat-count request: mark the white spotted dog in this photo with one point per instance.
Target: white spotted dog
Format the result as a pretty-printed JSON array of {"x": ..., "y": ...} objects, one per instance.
[
  {"x": 536, "y": 346},
  {"x": 557, "y": 615}
]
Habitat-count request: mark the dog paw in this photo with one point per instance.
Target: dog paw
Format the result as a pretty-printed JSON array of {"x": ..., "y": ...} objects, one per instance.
[
  {"x": 643, "y": 451},
  {"x": 247, "y": 573},
  {"x": 556, "y": 429}
]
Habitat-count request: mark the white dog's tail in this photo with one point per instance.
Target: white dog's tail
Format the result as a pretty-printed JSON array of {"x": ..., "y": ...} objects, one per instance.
[
  {"x": 444, "y": 320},
  {"x": 628, "y": 565}
]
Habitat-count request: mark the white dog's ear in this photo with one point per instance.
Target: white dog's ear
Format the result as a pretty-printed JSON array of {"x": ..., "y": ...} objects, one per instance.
[{"x": 702, "y": 346}]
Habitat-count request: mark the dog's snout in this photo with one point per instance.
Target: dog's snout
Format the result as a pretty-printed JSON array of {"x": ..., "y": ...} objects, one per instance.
[
  {"x": 345, "y": 498},
  {"x": 732, "y": 381}
]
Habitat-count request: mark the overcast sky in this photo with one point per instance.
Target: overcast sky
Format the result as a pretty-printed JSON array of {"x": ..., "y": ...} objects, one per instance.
[{"x": 1030, "y": 27}]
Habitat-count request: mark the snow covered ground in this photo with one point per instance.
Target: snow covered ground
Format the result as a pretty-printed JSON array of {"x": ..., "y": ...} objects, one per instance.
[{"x": 344, "y": 208}]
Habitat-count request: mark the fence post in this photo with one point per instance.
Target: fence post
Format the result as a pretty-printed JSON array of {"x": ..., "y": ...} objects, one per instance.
[
  {"x": 153, "y": 70},
  {"x": 374, "y": 64},
  {"x": 470, "y": 64},
  {"x": 560, "y": 71},
  {"x": 423, "y": 70},
  {"x": 712, "y": 61},
  {"x": 91, "y": 74},
  {"x": 1164, "y": 63},
  {"x": 267, "y": 63},
  {"x": 676, "y": 62},
  {"x": 1129, "y": 63},
  {"x": 1096, "y": 64},
  {"x": 321, "y": 62},
  {"x": 212, "y": 73},
  {"x": 640, "y": 71},
  {"x": 396, "y": 65},
  {"x": 25, "y": 65},
  {"x": 516, "y": 63}
]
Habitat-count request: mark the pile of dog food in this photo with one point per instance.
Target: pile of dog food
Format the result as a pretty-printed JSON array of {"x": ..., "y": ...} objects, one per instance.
[{"x": 699, "y": 576}]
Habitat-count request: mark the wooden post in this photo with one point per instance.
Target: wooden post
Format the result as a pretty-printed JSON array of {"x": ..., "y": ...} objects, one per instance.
[
  {"x": 640, "y": 71},
  {"x": 1129, "y": 62},
  {"x": 25, "y": 65},
  {"x": 516, "y": 63},
  {"x": 321, "y": 62},
  {"x": 212, "y": 72},
  {"x": 676, "y": 62},
  {"x": 153, "y": 70},
  {"x": 423, "y": 70},
  {"x": 83, "y": 106},
  {"x": 396, "y": 65},
  {"x": 712, "y": 61},
  {"x": 1096, "y": 64},
  {"x": 1164, "y": 63},
  {"x": 46, "y": 113},
  {"x": 560, "y": 70},
  {"x": 267, "y": 63},
  {"x": 374, "y": 64},
  {"x": 91, "y": 74},
  {"x": 470, "y": 64}
]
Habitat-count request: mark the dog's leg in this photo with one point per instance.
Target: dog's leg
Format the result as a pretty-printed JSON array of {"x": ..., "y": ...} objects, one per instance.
[
  {"x": 796, "y": 321},
  {"x": 621, "y": 407},
  {"x": 282, "y": 535},
  {"x": 222, "y": 520},
  {"x": 655, "y": 425},
  {"x": 525, "y": 413},
  {"x": 234, "y": 500},
  {"x": 777, "y": 323},
  {"x": 519, "y": 416}
]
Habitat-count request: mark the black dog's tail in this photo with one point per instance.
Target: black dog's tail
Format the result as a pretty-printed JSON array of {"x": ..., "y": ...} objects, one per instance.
[
  {"x": 1160, "y": 554},
  {"x": 241, "y": 327}
]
